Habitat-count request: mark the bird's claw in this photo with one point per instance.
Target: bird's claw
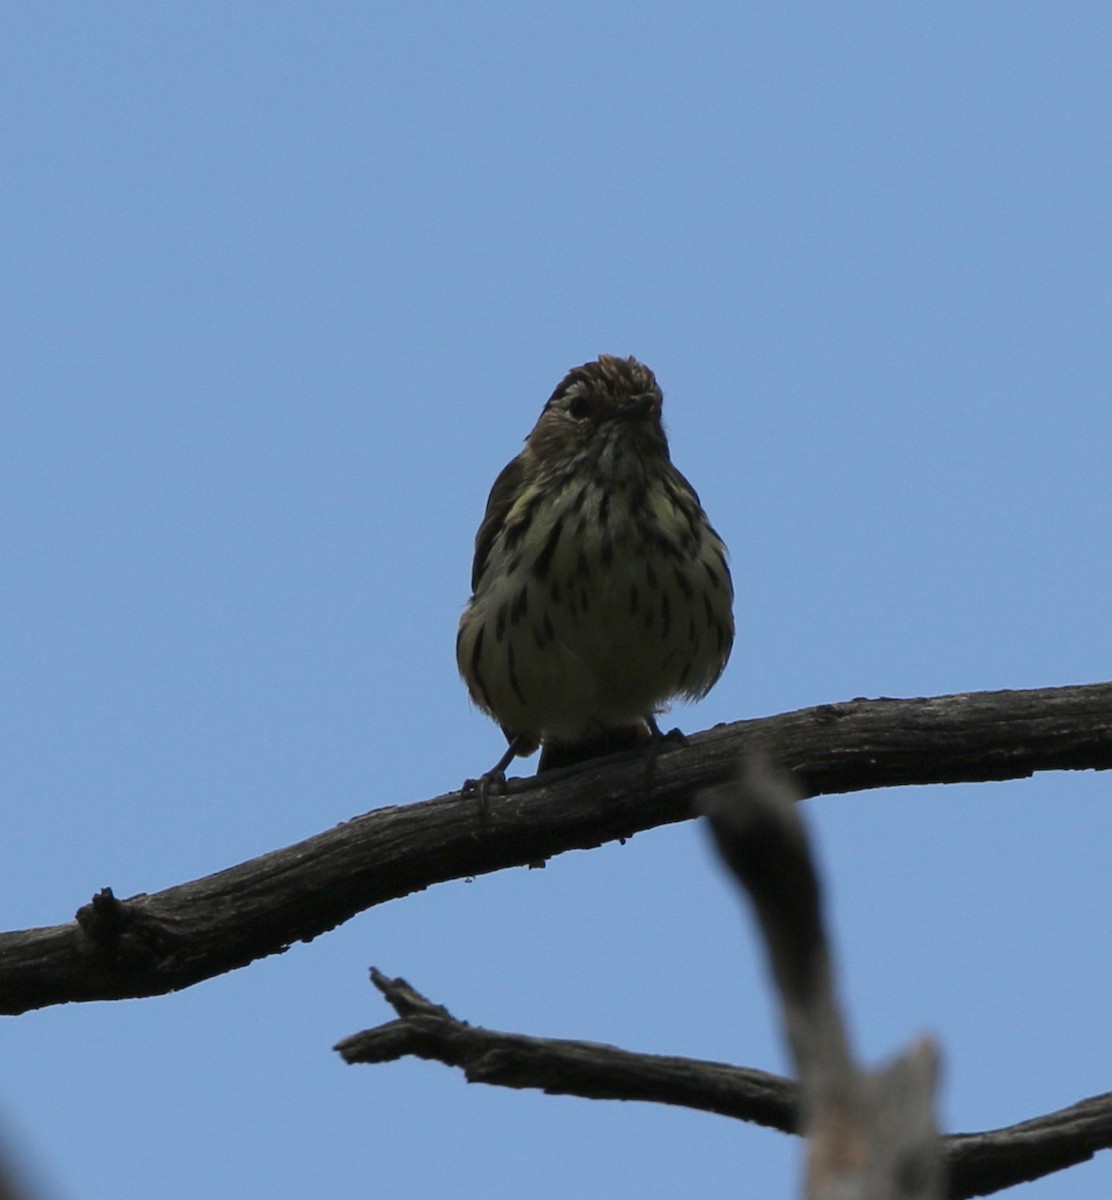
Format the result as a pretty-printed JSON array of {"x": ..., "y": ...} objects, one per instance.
[
  {"x": 482, "y": 788},
  {"x": 659, "y": 743}
]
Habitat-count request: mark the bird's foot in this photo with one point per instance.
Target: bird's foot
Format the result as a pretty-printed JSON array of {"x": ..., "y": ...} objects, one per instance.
[
  {"x": 659, "y": 743},
  {"x": 495, "y": 779},
  {"x": 481, "y": 788}
]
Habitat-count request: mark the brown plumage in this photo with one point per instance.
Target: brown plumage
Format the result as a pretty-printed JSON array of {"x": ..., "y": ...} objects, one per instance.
[{"x": 600, "y": 591}]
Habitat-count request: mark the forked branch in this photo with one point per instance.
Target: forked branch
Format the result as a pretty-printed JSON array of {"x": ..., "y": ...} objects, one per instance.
[{"x": 977, "y": 1164}]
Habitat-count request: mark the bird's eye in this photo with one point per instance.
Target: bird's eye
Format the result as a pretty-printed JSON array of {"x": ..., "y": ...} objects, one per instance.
[{"x": 579, "y": 408}]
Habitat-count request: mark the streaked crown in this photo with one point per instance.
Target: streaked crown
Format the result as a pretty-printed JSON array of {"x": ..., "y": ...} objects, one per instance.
[{"x": 608, "y": 400}]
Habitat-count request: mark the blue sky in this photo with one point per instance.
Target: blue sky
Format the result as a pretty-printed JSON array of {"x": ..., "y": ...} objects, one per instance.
[{"x": 283, "y": 286}]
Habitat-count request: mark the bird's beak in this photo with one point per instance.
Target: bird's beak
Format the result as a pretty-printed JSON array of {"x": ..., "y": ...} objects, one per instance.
[{"x": 640, "y": 408}]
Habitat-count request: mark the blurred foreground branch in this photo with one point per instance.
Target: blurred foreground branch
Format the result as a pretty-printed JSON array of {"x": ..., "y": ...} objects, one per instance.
[
  {"x": 870, "y": 1135},
  {"x": 153, "y": 944}
]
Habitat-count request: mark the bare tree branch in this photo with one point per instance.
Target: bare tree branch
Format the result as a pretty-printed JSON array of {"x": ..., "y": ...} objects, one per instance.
[
  {"x": 977, "y": 1164},
  {"x": 871, "y": 1135},
  {"x": 152, "y": 944},
  {"x": 983, "y": 1163},
  {"x": 566, "y": 1068}
]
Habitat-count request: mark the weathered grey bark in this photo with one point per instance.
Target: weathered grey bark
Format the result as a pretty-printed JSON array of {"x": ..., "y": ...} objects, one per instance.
[{"x": 152, "y": 944}]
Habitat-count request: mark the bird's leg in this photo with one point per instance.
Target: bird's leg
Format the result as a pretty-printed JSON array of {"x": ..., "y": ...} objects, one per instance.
[
  {"x": 496, "y": 776},
  {"x": 676, "y": 735},
  {"x": 657, "y": 744}
]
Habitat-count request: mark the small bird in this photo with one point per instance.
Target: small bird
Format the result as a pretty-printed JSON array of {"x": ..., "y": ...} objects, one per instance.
[{"x": 600, "y": 591}]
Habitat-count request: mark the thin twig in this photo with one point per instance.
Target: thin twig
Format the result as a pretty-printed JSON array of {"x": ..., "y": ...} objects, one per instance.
[{"x": 977, "y": 1164}]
